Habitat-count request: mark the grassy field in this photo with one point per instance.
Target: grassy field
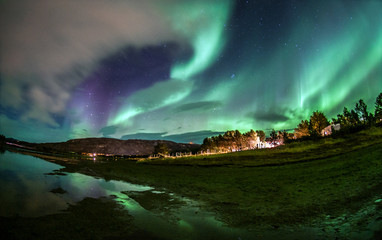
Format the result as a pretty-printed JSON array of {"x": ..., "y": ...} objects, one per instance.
[
  {"x": 288, "y": 185},
  {"x": 324, "y": 184},
  {"x": 294, "y": 152}
]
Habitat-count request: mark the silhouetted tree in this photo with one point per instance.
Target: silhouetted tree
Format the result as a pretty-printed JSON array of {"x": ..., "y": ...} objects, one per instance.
[
  {"x": 348, "y": 119},
  {"x": 2, "y": 139},
  {"x": 343, "y": 119},
  {"x": 354, "y": 118},
  {"x": 161, "y": 148},
  {"x": 206, "y": 144},
  {"x": 239, "y": 140},
  {"x": 378, "y": 108},
  {"x": 2, "y": 144},
  {"x": 231, "y": 140},
  {"x": 273, "y": 135},
  {"x": 317, "y": 123},
  {"x": 250, "y": 139},
  {"x": 302, "y": 129},
  {"x": 282, "y": 136},
  {"x": 221, "y": 144},
  {"x": 261, "y": 135},
  {"x": 363, "y": 115}
]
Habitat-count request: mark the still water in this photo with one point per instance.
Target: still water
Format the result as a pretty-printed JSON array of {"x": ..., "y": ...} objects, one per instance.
[{"x": 32, "y": 187}]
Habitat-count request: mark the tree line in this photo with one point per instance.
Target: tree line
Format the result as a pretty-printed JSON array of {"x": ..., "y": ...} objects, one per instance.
[
  {"x": 349, "y": 121},
  {"x": 233, "y": 140}
]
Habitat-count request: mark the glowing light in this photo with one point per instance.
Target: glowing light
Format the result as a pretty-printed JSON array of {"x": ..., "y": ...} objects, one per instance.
[
  {"x": 204, "y": 25},
  {"x": 157, "y": 96}
]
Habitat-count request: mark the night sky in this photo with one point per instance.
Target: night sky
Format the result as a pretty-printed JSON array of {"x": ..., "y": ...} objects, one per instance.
[{"x": 182, "y": 70}]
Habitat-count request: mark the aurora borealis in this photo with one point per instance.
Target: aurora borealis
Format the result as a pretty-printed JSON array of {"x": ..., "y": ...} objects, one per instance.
[{"x": 182, "y": 70}]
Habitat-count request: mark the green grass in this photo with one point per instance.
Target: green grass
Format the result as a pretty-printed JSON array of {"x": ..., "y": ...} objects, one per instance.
[
  {"x": 290, "y": 184},
  {"x": 294, "y": 152}
]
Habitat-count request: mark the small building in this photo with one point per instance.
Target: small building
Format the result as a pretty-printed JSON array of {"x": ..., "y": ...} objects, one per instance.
[{"x": 328, "y": 130}]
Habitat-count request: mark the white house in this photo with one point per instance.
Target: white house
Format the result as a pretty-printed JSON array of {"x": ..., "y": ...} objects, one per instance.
[{"x": 328, "y": 130}]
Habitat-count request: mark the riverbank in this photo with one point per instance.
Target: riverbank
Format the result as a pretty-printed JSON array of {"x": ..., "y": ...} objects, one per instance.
[{"x": 318, "y": 185}]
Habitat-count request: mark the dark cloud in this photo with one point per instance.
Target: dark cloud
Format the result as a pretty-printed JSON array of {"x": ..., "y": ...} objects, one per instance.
[
  {"x": 269, "y": 116},
  {"x": 144, "y": 136},
  {"x": 203, "y": 106},
  {"x": 107, "y": 131},
  {"x": 54, "y": 44},
  {"x": 195, "y": 137}
]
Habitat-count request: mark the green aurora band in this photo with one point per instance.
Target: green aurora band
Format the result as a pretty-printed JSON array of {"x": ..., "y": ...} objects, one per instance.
[
  {"x": 209, "y": 39},
  {"x": 230, "y": 65},
  {"x": 337, "y": 66},
  {"x": 202, "y": 23},
  {"x": 311, "y": 69}
]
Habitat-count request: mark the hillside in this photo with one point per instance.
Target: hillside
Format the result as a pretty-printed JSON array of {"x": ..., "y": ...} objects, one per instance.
[{"x": 113, "y": 146}]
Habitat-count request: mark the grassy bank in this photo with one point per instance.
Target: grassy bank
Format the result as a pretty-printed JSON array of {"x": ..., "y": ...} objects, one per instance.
[
  {"x": 263, "y": 187},
  {"x": 294, "y": 152}
]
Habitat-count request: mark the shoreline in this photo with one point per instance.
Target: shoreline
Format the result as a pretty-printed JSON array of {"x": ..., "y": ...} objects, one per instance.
[{"x": 313, "y": 193}]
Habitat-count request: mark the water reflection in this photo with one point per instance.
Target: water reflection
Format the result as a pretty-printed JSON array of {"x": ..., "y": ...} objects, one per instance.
[
  {"x": 26, "y": 188},
  {"x": 32, "y": 187}
]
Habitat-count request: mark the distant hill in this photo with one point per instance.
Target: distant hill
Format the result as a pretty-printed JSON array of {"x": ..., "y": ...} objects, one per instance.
[{"x": 114, "y": 146}]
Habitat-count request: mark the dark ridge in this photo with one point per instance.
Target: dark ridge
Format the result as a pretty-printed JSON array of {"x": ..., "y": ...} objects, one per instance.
[{"x": 131, "y": 147}]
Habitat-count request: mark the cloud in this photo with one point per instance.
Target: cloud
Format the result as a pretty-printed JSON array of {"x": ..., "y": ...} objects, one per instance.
[
  {"x": 159, "y": 95},
  {"x": 109, "y": 130},
  {"x": 195, "y": 137},
  {"x": 31, "y": 131},
  {"x": 269, "y": 116},
  {"x": 53, "y": 45},
  {"x": 50, "y": 36},
  {"x": 144, "y": 136},
  {"x": 198, "y": 106},
  {"x": 47, "y": 47}
]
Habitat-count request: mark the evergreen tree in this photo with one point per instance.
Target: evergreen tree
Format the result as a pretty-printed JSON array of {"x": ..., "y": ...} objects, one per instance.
[
  {"x": 283, "y": 136},
  {"x": 261, "y": 135},
  {"x": 273, "y": 135},
  {"x": 317, "y": 123},
  {"x": 347, "y": 117},
  {"x": 361, "y": 110},
  {"x": 2, "y": 139},
  {"x": 378, "y": 108},
  {"x": 207, "y": 144},
  {"x": 250, "y": 139},
  {"x": 302, "y": 129},
  {"x": 239, "y": 140},
  {"x": 354, "y": 118},
  {"x": 161, "y": 148},
  {"x": 221, "y": 144}
]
